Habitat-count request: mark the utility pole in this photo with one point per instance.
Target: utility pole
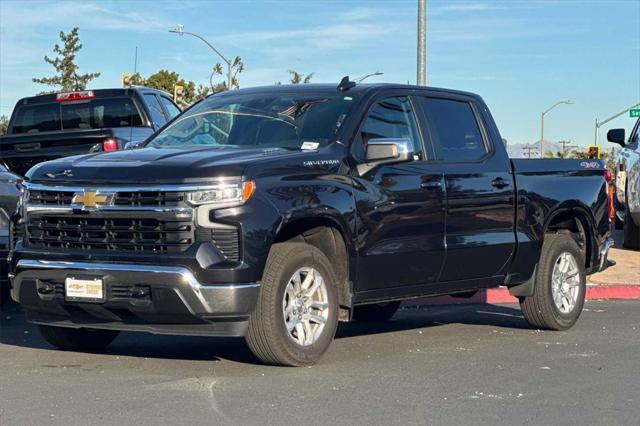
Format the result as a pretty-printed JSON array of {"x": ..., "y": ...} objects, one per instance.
[
  {"x": 422, "y": 43},
  {"x": 605, "y": 121},
  {"x": 565, "y": 147},
  {"x": 529, "y": 151}
]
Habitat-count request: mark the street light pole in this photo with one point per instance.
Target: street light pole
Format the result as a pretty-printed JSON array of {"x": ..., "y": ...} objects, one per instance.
[
  {"x": 599, "y": 122},
  {"x": 542, "y": 123},
  {"x": 179, "y": 29},
  {"x": 422, "y": 43}
]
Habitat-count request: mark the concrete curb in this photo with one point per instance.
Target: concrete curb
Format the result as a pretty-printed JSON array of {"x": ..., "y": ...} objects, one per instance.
[{"x": 501, "y": 295}]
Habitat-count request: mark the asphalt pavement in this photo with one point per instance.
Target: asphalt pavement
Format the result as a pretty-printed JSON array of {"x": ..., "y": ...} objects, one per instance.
[{"x": 469, "y": 364}]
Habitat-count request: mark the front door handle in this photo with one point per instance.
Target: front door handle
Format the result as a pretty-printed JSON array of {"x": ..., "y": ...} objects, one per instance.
[
  {"x": 434, "y": 184},
  {"x": 499, "y": 183}
]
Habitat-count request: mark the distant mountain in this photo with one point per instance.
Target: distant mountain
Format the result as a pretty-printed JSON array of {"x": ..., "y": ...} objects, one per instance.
[{"x": 517, "y": 150}]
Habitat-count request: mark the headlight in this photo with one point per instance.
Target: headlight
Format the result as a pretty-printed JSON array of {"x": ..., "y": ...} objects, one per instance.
[{"x": 223, "y": 194}]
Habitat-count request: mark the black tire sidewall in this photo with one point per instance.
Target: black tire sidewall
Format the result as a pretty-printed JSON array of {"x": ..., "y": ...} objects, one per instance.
[{"x": 308, "y": 257}]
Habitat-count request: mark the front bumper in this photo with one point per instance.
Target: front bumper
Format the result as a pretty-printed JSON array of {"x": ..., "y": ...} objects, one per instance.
[{"x": 152, "y": 298}]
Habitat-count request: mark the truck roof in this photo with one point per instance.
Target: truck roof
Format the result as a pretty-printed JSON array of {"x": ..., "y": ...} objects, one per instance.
[
  {"x": 358, "y": 88},
  {"x": 99, "y": 93}
]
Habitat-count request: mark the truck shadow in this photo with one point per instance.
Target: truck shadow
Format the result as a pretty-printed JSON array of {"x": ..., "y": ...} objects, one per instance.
[{"x": 15, "y": 331}]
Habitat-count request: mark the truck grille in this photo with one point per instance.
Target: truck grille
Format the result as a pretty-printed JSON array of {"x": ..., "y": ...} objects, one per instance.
[
  {"x": 226, "y": 240},
  {"x": 112, "y": 234},
  {"x": 121, "y": 199}
]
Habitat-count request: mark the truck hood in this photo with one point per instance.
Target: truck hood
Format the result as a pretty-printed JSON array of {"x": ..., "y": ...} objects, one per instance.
[{"x": 153, "y": 165}]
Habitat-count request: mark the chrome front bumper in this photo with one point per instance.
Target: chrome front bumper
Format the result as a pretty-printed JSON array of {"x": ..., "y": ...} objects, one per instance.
[{"x": 175, "y": 298}]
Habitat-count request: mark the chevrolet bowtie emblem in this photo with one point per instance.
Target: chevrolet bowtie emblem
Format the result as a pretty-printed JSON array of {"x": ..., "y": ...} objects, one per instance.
[{"x": 90, "y": 199}]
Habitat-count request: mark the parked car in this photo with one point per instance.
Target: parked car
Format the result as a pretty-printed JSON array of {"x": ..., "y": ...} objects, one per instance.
[
  {"x": 47, "y": 127},
  {"x": 627, "y": 181},
  {"x": 273, "y": 213},
  {"x": 51, "y": 126},
  {"x": 9, "y": 197}
]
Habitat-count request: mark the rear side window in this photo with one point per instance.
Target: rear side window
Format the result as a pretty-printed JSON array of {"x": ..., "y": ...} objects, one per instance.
[
  {"x": 453, "y": 129},
  {"x": 36, "y": 118},
  {"x": 171, "y": 108},
  {"x": 157, "y": 116},
  {"x": 391, "y": 118}
]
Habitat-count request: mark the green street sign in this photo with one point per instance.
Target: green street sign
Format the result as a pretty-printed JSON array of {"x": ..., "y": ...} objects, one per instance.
[{"x": 634, "y": 113}]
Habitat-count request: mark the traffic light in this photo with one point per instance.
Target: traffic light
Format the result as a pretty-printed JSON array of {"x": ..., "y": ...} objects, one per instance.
[
  {"x": 178, "y": 94},
  {"x": 593, "y": 152},
  {"x": 125, "y": 80}
]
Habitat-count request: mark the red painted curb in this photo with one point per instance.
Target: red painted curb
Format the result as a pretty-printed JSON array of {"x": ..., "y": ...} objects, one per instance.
[{"x": 501, "y": 295}]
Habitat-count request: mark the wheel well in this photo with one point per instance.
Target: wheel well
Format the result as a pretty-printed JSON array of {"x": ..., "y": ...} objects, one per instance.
[
  {"x": 576, "y": 224},
  {"x": 327, "y": 237}
]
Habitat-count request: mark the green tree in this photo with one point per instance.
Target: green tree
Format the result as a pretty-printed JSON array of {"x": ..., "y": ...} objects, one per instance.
[
  {"x": 237, "y": 67},
  {"x": 67, "y": 77},
  {"x": 298, "y": 78},
  {"x": 4, "y": 124},
  {"x": 167, "y": 80},
  {"x": 201, "y": 92}
]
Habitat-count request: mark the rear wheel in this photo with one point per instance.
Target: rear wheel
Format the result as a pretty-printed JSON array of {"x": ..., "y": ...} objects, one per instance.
[
  {"x": 296, "y": 316},
  {"x": 560, "y": 285},
  {"x": 375, "y": 312},
  {"x": 82, "y": 339},
  {"x": 631, "y": 232}
]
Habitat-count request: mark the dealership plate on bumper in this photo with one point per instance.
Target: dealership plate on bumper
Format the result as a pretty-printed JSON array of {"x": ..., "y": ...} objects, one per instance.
[{"x": 84, "y": 290}]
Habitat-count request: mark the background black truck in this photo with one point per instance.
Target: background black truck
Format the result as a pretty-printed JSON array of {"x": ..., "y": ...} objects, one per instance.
[{"x": 275, "y": 212}]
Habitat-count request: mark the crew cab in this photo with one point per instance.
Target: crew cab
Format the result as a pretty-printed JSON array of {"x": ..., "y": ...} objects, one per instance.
[
  {"x": 627, "y": 185},
  {"x": 275, "y": 212},
  {"x": 46, "y": 127}
]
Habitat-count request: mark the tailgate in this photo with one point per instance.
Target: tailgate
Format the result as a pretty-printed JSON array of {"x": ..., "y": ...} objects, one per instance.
[{"x": 21, "y": 152}]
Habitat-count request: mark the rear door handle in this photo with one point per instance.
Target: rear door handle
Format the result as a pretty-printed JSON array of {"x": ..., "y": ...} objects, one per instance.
[
  {"x": 26, "y": 147},
  {"x": 499, "y": 183},
  {"x": 433, "y": 184}
]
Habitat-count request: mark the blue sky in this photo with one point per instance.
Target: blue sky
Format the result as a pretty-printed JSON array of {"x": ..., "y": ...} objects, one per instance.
[{"x": 521, "y": 56}]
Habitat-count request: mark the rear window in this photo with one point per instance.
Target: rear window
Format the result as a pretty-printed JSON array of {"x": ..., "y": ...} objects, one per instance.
[
  {"x": 37, "y": 118},
  {"x": 77, "y": 115},
  {"x": 99, "y": 113}
]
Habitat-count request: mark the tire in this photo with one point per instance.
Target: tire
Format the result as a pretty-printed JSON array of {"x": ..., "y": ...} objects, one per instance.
[
  {"x": 268, "y": 336},
  {"x": 77, "y": 339},
  {"x": 376, "y": 312},
  {"x": 631, "y": 232},
  {"x": 540, "y": 310}
]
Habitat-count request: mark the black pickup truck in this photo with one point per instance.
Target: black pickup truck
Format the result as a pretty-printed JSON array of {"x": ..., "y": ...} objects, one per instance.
[{"x": 273, "y": 213}]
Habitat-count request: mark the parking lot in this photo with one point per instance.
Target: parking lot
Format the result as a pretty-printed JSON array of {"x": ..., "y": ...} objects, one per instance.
[{"x": 477, "y": 364}]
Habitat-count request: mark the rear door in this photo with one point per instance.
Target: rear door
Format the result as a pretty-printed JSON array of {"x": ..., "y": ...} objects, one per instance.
[
  {"x": 400, "y": 208},
  {"x": 479, "y": 190}
]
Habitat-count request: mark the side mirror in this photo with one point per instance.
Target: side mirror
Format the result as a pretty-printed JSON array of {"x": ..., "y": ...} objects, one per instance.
[
  {"x": 616, "y": 136},
  {"x": 386, "y": 151}
]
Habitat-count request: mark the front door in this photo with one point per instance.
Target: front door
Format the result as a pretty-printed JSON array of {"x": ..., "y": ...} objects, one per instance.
[{"x": 400, "y": 207}]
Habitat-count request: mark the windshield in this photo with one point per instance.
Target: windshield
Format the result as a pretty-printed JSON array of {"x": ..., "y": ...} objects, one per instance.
[{"x": 268, "y": 120}]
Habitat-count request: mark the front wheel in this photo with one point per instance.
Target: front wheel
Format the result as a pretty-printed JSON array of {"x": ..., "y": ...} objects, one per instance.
[
  {"x": 296, "y": 316},
  {"x": 560, "y": 285},
  {"x": 77, "y": 339}
]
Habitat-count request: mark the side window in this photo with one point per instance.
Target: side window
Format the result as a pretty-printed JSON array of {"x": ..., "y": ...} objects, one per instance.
[
  {"x": 171, "y": 108},
  {"x": 454, "y": 131},
  {"x": 391, "y": 118},
  {"x": 157, "y": 116}
]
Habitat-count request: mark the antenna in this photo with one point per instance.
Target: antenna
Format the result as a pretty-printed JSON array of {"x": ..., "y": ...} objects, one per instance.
[{"x": 345, "y": 84}]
